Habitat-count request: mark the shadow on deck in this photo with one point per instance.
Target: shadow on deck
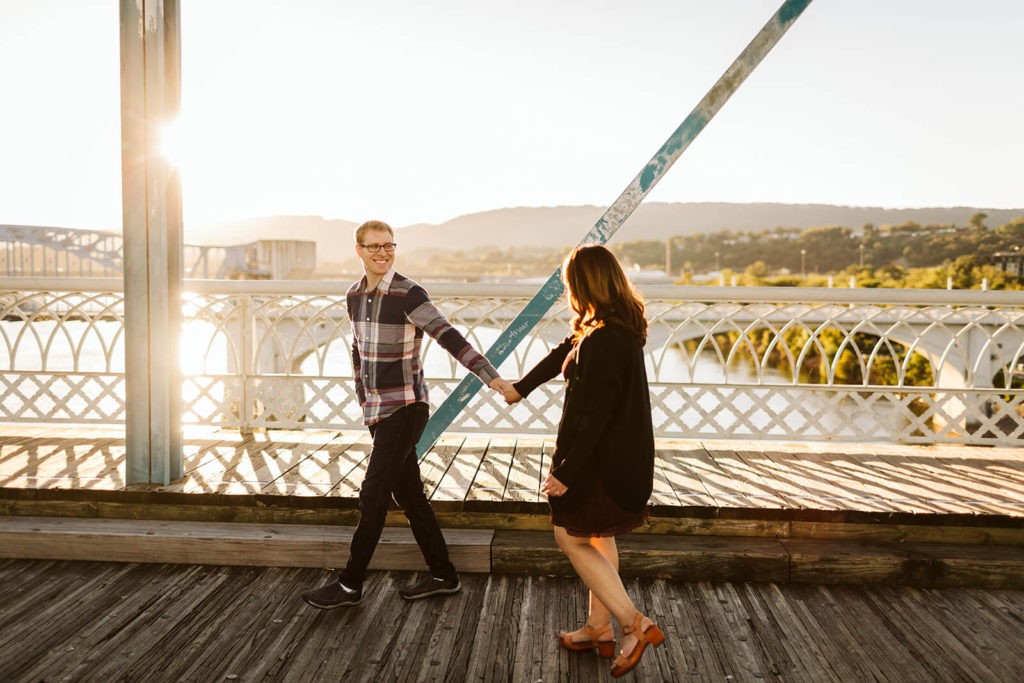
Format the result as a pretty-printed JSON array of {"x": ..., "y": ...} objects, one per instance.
[
  {"x": 818, "y": 513},
  {"x": 501, "y": 475}
]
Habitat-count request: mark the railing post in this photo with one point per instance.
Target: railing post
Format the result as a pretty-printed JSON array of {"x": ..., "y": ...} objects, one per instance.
[
  {"x": 151, "y": 206},
  {"x": 246, "y": 408}
]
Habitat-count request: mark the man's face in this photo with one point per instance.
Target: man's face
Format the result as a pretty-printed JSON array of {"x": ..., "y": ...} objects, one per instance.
[{"x": 376, "y": 263}]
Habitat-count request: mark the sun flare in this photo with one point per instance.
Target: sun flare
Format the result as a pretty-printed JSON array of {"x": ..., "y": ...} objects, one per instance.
[{"x": 174, "y": 143}]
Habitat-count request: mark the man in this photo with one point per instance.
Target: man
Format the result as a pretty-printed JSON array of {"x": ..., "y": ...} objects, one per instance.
[{"x": 389, "y": 315}]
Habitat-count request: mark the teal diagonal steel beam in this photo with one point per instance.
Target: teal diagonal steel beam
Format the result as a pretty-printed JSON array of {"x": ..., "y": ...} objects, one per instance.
[{"x": 620, "y": 210}]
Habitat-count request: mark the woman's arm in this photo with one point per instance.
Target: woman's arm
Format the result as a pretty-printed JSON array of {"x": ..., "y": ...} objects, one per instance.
[{"x": 547, "y": 369}]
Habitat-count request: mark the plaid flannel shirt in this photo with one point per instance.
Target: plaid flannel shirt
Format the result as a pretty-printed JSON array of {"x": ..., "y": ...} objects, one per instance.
[{"x": 387, "y": 332}]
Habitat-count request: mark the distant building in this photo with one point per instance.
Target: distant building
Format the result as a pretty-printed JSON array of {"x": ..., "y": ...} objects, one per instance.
[
  {"x": 650, "y": 277},
  {"x": 272, "y": 260},
  {"x": 1011, "y": 262}
]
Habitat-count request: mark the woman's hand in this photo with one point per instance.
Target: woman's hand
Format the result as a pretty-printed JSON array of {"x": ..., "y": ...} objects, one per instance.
[
  {"x": 553, "y": 487},
  {"x": 508, "y": 392},
  {"x": 511, "y": 395}
]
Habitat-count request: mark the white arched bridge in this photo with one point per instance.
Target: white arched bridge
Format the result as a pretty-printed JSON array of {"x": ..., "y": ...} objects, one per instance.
[
  {"x": 38, "y": 251},
  {"x": 919, "y": 366}
]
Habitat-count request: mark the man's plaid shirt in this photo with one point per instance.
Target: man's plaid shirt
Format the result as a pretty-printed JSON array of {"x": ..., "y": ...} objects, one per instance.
[{"x": 387, "y": 332}]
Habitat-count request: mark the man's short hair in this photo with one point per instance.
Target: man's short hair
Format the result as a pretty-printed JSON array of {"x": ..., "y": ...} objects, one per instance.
[{"x": 372, "y": 225}]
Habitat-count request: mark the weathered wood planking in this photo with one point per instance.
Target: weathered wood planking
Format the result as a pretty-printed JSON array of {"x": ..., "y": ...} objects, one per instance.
[
  {"x": 760, "y": 466},
  {"x": 90, "y": 458},
  {"x": 59, "y": 635},
  {"x": 872, "y": 478},
  {"x": 458, "y": 478},
  {"x": 723, "y": 489},
  {"x": 875, "y": 482},
  {"x": 731, "y": 624},
  {"x": 662, "y": 492},
  {"x": 211, "y": 459},
  {"x": 926, "y": 631},
  {"x": 353, "y": 461},
  {"x": 489, "y": 483},
  {"x": 783, "y": 655},
  {"x": 286, "y": 545},
  {"x": 816, "y": 639},
  {"x": 756, "y": 491},
  {"x": 1007, "y": 463},
  {"x": 799, "y": 487},
  {"x": 253, "y": 464},
  {"x": 323, "y": 468},
  {"x": 409, "y": 648},
  {"x": 951, "y": 475},
  {"x": 686, "y": 558},
  {"x": 451, "y": 629},
  {"x": 832, "y": 479},
  {"x": 197, "y": 451},
  {"x": 525, "y": 474},
  {"x": 437, "y": 461},
  {"x": 899, "y": 485},
  {"x": 96, "y": 621},
  {"x": 980, "y": 628},
  {"x": 676, "y": 466},
  {"x": 14, "y": 437},
  {"x": 492, "y": 627}
]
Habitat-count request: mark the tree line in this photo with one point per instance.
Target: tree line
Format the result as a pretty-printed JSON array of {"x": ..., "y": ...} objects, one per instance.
[{"x": 905, "y": 255}]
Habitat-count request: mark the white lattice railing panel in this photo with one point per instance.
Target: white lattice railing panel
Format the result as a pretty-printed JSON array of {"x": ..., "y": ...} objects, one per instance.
[
  {"x": 61, "y": 397},
  {"x": 760, "y": 363}
]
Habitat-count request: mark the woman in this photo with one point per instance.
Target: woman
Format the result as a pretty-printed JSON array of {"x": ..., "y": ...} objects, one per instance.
[{"x": 602, "y": 468}]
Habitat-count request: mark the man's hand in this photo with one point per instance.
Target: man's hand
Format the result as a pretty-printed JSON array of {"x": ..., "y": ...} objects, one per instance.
[
  {"x": 507, "y": 390},
  {"x": 553, "y": 487}
]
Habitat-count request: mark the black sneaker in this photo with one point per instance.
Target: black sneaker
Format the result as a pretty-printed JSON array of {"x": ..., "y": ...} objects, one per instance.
[
  {"x": 429, "y": 586},
  {"x": 333, "y": 594}
]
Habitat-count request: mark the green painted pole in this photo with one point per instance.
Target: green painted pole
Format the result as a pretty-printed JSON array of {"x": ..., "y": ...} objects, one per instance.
[{"x": 621, "y": 209}]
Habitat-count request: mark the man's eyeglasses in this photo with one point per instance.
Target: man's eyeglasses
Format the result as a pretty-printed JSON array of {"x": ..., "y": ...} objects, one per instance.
[{"x": 389, "y": 247}]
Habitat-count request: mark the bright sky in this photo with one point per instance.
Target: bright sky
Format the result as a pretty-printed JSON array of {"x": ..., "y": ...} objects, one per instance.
[{"x": 411, "y": 111}]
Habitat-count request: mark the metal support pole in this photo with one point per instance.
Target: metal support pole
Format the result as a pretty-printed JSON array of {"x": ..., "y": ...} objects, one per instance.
[
  {"x": 175, "y": 239},
  {"x": 151, "y": 209},
  {"x": 622, "y": 208}
]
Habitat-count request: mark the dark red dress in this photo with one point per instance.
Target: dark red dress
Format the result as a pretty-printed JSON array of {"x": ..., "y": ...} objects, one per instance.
[{"x": 599, "y": 515}]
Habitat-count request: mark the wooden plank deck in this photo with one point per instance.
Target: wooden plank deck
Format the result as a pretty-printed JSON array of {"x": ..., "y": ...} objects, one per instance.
[
  {"x": 254, "y": 545},
  {"x": 477, "y": 472},
  {"x": 153, "y": 622}
]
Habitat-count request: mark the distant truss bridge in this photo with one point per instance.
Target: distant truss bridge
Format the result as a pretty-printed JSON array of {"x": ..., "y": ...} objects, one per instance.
[{"x": 36, "y": 251}]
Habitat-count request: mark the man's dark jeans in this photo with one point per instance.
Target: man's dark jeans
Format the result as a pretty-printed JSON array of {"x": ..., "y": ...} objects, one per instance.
[{"x": 394, "y": 471}]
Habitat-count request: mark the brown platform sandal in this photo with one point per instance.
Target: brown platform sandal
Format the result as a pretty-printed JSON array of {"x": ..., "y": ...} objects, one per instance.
[
  {"x": 605, "y": 648},
  {"x": 652, "y": 636}
]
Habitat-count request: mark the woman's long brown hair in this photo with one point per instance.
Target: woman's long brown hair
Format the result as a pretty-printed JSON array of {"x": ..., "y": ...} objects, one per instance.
[{"x": 601, "y": 294}]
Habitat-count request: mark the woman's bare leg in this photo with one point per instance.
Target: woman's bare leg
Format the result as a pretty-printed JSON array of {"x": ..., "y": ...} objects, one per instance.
[
  {"x": 598, "y": 615},
  {"x": 602, "y": 578}
]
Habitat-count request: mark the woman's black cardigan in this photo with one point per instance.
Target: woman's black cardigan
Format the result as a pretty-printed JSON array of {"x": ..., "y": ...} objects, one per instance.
[{"x": 605, "y": 433}]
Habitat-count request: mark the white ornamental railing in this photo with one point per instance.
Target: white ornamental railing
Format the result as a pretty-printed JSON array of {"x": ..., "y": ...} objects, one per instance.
[{"x": 918, "y": 366}]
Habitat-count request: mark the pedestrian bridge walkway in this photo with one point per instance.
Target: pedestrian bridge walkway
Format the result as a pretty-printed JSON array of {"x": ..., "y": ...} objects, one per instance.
[
  {"x": 502, "y": 474},
  {"x": 781, "y": 512}
]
